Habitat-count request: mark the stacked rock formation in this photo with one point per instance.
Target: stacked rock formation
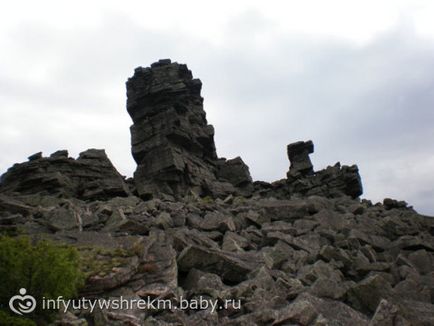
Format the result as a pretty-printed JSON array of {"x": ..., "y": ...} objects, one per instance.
[
  {"x": 91, "y": 176},
  {"x": 298, "y": 154},
  {"x": 334, "y": 181},
  {"x": 172, "y": 142},
  {"x": 331, "y": 182},
  {"x": 305, "y": 250},
  {"x": 174, "y": 148}
]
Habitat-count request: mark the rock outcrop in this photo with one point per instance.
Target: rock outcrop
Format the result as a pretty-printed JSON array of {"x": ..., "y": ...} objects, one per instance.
[
  {"x": 305, "y": 250},
  {"x": 91, "y": 176},
  {"x": 174, "y": 148},
  {"x": 298, "y": 154},
  {"x": 172, "y": 142},
  {"x": 332, "y": 182}
]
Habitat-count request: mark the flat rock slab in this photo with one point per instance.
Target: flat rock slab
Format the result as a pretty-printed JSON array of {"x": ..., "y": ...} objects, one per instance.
[{"x": 229, "y": 266}]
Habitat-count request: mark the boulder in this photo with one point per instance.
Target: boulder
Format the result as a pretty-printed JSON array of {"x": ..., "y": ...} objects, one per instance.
[
  {"x": 231, "y": 267},
  {"x": 236, "y": 172},
  {"x": 298, "y": 154},
  {"x": 367, "y": 294}
]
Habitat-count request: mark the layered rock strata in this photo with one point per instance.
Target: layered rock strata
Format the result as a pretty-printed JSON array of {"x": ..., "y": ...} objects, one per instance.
[
  {"x": 172, "y": 142},
  {"x": 91, "y": 176}
]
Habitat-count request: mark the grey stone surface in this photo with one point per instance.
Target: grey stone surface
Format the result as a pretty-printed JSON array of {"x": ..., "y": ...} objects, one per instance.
[
  {"x": 172, "y": 142},
  {"x": 91, "y": 176}
]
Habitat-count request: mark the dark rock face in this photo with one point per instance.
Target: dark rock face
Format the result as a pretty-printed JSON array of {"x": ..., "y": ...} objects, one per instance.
[
  {"x": 334, "y": 181},
  {"x": 298, "y": 154},
  {"x": 173, "y": 145},
  {"x": 300, "y": 251},
  {"x": 91, "y": 176},
  {"x": 236, "y": 172},
  {"x": 172, "y": 142}
]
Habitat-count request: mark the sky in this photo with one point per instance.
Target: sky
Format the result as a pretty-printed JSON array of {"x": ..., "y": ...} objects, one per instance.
[{"x": 355, "y": 77}]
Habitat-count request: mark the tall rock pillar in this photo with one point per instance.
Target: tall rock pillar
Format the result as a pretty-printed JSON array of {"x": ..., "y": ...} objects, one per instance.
[{"x": 172, "y": 142}]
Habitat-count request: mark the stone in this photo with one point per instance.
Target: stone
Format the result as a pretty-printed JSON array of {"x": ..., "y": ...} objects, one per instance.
[
  {"x": 13, "y": 205},
  {"x": 422, "y": 260},
  {"x": 217, "y": 221},
  {"x": 336, "y": 312},
  {"x": 64, "y": 218},
  {"x": 307, "y": 308},
  {"x": 229, "y": 266},
  {"x": 133, "y": 315},
  {"x": 35, "y": 156},
  {"x": 91, "y": 176},
  {"x": 236, "y": 172},
  {"x": 277, "y": 255},
  {"x": 283, "y": 210},
  {"x": 158, "y": 265},
  {"x": 308, "y": 274},
  {"x": 61, "y": 153},
  {"x": 403, "y": 313},
  {"x": 387, "y": 314},
  {"x": 334, "y": 181},
  {"x": 199, "y": 282},
  {"x": 416, "y": 312},
  {"x": 184, "y": 237},
  {"x": 164, "y": 220},
  {"x": 408, "y": 242},
  {"x": 234, "y": 242},
  {"x": 393, "y": 203},
  {"x": 367, "y": 294},
  {"x": 328, "y": 288},
  {"x": 69, "y": 319},
  {"x": 413, "y": 289},
  {"x": 172, "y": 143},
  {"x": 298, "y": 154},
  {"x": 301, "y": 312},
  {"x": 329, "y": 253},
  {"x": 255, "y": 217}
]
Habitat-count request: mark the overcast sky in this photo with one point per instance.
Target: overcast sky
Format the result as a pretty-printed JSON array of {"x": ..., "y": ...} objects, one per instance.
[{"x": 356, "y": 77}]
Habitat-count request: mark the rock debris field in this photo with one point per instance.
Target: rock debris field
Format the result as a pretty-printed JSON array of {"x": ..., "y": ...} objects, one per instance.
[{"x": 305, "y": 250}]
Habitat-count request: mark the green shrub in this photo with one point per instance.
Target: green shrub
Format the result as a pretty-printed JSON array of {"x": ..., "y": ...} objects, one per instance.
[
  {"x": 9, "y": 320},
  {"x": 207, "y": 200},
  {"x": 44, "y": 269}
]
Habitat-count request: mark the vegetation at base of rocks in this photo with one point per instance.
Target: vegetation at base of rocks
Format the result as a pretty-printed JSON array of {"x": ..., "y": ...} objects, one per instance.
[
  {"x": 207, "y": 200},
  {"x": 6, "y": 319},
  {"x": 44, "y": 268},
  {"x": 100, "y": 261},
  {"x": 9, "y": 232}
]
